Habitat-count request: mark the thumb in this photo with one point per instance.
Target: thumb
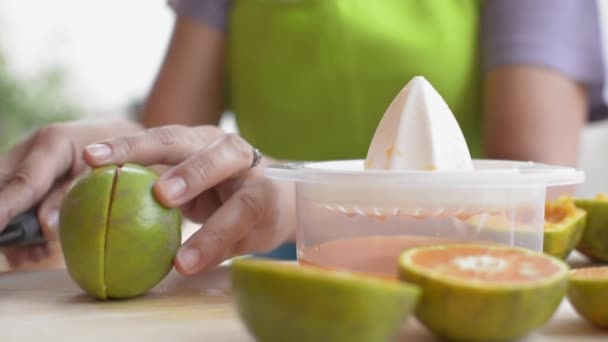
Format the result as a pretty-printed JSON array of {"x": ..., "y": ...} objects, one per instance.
[{"x": 48, "y": 213}]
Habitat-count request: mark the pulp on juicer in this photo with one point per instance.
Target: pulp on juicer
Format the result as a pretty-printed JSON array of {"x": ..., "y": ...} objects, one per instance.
[{"x": 418, "y": 132}]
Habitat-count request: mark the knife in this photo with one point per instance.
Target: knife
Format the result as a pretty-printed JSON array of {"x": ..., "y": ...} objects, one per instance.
[{"x": 23, "y": 230}]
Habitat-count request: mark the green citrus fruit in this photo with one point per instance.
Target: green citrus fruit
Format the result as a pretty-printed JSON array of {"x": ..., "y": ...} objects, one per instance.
[
  {"x": 564, "y": 227},
  {"x": 594, "y": 243},
  {"x": 118, "y": 241},
  {"x": 484, "y": 293},
  {"x": 283, "y": 302},
  {"x": 588, "y": 294}
]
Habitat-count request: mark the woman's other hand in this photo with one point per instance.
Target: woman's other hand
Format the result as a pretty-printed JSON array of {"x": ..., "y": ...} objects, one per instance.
[{"x": 212, "y": 179}]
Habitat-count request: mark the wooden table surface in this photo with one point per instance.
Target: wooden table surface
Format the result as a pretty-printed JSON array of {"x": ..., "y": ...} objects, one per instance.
[{"x": 47, "y": 306}]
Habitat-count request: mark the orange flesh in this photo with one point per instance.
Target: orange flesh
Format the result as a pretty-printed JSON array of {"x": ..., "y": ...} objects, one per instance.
[
  {"x": 557, "y": 212},
  {"x": 486, "y": 264},
  {"x": 591, "y": 273}
]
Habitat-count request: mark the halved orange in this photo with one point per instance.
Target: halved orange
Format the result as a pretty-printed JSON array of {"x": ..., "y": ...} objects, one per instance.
[
  {"x": 475, "y": 292},
  {"x": 588, "y": 294}
]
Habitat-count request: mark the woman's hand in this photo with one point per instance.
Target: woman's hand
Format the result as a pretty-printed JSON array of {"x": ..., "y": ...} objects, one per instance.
[
  {"x": 213, "y": 182},
  {"x": 39, "y": 170}
]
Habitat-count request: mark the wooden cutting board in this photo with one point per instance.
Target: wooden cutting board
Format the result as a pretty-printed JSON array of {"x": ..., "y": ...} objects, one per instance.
[{"x": 47, "y": 306}]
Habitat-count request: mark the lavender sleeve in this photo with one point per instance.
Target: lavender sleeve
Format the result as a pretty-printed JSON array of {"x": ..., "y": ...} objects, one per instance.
[
  {"x": 213, "y": 13},
  {"x": 562, "y": 35}
]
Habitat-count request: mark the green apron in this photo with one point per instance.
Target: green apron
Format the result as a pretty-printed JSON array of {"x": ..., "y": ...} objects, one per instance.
[{"x": 310, "y": 79}]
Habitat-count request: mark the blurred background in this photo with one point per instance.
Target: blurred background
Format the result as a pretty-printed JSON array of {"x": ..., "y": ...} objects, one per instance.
[
  {"x": 64, "y": 59},
  {"x": 68, "y": 58}
]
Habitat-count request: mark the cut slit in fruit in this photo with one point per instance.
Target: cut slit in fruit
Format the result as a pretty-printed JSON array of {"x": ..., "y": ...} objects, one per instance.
[
  {"x": 107, "y": 229},
  {"x": 83, "y": 222}
]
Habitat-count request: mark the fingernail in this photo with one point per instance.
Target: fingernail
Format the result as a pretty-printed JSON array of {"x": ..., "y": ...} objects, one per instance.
[
  {"x": 188, "y": 258},
  {"x": 173, "y": 188},
  {"x": 99, "y": 151},
  {"x": 52, "y": 220}
]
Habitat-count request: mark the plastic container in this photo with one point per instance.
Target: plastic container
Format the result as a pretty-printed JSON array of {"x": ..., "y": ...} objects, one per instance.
[{"x": 361, "y": 220}]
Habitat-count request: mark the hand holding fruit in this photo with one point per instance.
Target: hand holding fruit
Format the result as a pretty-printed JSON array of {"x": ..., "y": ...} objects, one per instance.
[
  {"x": 39, "y": 171},
  {"x": 211, "y": 178}
]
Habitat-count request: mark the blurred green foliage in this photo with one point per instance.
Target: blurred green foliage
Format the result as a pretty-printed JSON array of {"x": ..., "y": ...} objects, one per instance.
[{"x": 26, "y": 105}]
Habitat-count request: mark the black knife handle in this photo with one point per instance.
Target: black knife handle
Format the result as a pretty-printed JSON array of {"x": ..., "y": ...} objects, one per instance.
[{"x": 23, "y": 230}]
